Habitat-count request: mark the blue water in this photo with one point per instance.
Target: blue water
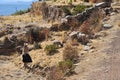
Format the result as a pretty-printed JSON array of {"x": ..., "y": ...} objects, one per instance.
[{"x": 8, "y": 9}]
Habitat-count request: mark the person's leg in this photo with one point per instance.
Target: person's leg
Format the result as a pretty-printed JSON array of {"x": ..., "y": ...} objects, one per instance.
[{"x": 25, "y": 65}]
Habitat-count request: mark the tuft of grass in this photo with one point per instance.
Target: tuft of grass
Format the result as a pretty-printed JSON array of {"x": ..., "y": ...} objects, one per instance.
[
  {"x": 64, "y": 68},
  {"x": 70, "y": 53},
  {"x": 67, "y": 66},
  {"x": 79, "y": 9},
  {"x": 50, "y": 49},
  {"x": 70, "y": 2}
]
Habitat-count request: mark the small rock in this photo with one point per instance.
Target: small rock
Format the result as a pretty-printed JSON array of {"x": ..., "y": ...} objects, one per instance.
[
  {"x": 107, "y": 26},
  {"x": 113, "y": 13},
  {"x": 74, "y": 33},
  {"x": 106, "y": 19},
  {"x": 83, "y": 52},
  {"x": 92, "y": 50},
  {"x": 106, "y": 71},
  {"x": 87, "y": 48},
  {"x": 89, "y": 44}
]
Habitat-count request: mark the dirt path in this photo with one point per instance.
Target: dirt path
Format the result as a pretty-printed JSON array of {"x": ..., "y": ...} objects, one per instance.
[
  {"x": 110, "y": 70},
  {"x": 8, "y": 71},
  {"x": 114, "y": 51}
]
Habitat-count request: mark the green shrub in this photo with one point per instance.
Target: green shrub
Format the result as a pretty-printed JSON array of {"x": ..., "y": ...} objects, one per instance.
[
  {"x": 79, "y": 9},
  {"x": 20, "y": 12},
  {"x": 70, "y": 53},
  {"x": 66, "y": 11},
  {"x": 70, "y": 2},
  {"x": 50, "y": 49},
  {"x": 66, "y": 66}
]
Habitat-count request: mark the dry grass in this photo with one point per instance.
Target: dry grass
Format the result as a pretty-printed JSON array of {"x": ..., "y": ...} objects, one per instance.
[
  {"x": 20, "y": 19},
  {"x": 94, "y": 23},
  {"x": 55, "y": 74},
  {"x": 50, "y": 49},
  {"x": 67, "y": 67},
  {"x": 85, "y": 28},
  {"x": 70, "y": 53}
]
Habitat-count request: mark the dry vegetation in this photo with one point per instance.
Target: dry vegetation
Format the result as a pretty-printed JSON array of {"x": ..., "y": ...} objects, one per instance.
[{"x": 70, "y": 53}]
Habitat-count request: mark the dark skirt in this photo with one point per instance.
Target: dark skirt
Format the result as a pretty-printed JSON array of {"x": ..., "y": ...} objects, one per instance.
[{"x": 26, "y": 58}]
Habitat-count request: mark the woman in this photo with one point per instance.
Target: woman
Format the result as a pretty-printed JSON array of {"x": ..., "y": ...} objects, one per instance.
[{"x": 25, "y": 56}]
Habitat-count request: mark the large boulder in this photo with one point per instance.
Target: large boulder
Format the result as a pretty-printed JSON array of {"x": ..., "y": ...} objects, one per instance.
[
  {"x": 48, "y": 12},
  {"x": 83, "y": 38},
  {"x": 36, "y": 34},
  {"x": 7, "y": 46},
  {"x": 6, "y": 51},
  {"x": 80, "y": 37}
]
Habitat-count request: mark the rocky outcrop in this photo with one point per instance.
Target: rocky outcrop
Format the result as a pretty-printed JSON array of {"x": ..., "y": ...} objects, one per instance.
[
  {"x": 35, "y": 8},
  {"x": 48, "y": 12},
  {"x": 7, "y": 46}
]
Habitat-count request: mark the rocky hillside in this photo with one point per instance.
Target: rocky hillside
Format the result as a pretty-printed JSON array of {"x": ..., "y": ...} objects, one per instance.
[{"x": 62, "y": 50}]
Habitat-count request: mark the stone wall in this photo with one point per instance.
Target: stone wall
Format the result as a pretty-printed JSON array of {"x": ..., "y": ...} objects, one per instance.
[{"x": 93, "y": 15}]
